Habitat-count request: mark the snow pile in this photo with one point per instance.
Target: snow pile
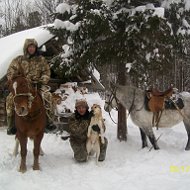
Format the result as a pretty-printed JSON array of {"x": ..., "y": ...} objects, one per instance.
[{"x": 70, "y": 92}]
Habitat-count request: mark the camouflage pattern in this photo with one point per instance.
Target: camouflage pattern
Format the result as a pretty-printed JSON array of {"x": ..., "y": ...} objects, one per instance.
[
  {"x": 35, "y": 68},
  {"x": 9, "y": 105},
  {"x": 78, "y": 136}
]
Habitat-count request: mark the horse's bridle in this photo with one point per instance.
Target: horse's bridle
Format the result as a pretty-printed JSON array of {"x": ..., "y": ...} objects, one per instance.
[
  {"x": 29, "y": 94},
  {"x": 109, "y": 102},
  {"x": 113, "y": 96},
  {"x": 30, "y": 98}
]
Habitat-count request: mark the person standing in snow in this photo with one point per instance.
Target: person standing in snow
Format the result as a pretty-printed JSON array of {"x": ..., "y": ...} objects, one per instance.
[
  {"x": 35, "y": 68},
  {"x": 78, "y": 127}
]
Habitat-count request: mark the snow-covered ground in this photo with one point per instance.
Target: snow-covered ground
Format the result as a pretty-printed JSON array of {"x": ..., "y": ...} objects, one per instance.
[{"x": 127, "y": 166}]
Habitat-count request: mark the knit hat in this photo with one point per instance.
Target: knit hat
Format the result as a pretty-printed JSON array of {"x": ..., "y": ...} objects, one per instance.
[{"x": 81, "y": 102}]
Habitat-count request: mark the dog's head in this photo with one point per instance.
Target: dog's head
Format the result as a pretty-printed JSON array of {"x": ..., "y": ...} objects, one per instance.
[{"x": 96, "y": 109}]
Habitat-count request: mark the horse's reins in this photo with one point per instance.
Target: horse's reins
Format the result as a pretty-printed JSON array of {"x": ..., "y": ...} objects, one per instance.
[
  {"x": 130, "y": 109},
  {"x": 110, "y": 102},
  {"x": 117, "y": 102},
  {"x": 176, "y": 106}
]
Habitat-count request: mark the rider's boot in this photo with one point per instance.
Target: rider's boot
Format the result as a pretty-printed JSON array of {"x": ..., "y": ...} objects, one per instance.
[
  {"x": 50, "y": 126},
  {"x": 11, "y": 130}
]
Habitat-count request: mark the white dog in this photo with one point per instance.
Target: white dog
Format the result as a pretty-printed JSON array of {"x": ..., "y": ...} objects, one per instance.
[{"x": 93, "y": 141}]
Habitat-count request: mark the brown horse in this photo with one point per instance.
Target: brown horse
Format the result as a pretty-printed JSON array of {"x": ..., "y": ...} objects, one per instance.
[{"x": 30, "y": 117}]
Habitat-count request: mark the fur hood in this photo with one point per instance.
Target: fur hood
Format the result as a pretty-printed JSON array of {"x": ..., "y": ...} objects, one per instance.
[
  {"x": 86, "y": 116},
  {"x": 27, "y": 43}
]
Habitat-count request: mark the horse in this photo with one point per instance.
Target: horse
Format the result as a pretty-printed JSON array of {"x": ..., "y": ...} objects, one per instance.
[
  {"x": 30, "y": 117},
  {"x": 133, "y": 99}
]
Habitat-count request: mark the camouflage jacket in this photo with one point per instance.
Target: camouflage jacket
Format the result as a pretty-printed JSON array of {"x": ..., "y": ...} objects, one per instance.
[
  {"x": 35, "y": 67},
  {"x": 78, "y": 128}
]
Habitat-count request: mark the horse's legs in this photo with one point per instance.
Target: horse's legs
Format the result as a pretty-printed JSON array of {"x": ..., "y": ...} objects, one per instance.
[
  {"x": 41, "y": 151},
  {"x": 15, "y": 152},
  {"x": 23, "y": 152},
  {"x": 36, "y": 151},
  {"x": 187, "y": 127},
  {"x": 150, "y": 134},
  {"x": 143, "y": 138}
]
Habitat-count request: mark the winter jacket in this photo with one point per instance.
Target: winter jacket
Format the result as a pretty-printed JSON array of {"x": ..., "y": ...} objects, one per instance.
[
  {"x": 78, "y": 127},
  {"x": 35, "y": 67}
]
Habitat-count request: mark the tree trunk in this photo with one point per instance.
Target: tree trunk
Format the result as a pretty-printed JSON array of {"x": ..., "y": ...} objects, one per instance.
[{"x": 122, "y": 124}]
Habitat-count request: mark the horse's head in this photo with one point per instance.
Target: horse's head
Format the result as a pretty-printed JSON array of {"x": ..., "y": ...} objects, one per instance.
[
  {"x": 111, "y": 101},
  {"x": 127, "y": 96},
  {"x": 22, "y": 94}
]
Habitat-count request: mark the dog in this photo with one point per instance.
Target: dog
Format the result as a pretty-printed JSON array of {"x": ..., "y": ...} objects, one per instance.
[{"x": 96, "y": 129}]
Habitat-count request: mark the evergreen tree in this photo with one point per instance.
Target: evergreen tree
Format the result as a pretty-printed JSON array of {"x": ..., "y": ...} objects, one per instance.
[
  {"x": 84, "y": 31},
  {"x": 115, "y": 34},
  {"x": 178, "y": 16}
]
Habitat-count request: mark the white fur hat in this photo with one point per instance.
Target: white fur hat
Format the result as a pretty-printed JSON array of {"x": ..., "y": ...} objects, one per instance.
[{"x": 81, "y": 102}]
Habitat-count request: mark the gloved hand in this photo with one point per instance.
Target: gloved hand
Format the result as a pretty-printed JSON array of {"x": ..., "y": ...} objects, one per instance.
[{"x": 96, "y": 128}]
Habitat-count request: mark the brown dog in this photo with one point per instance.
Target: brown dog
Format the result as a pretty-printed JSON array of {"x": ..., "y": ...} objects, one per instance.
[{"x": 93, "y": 141}]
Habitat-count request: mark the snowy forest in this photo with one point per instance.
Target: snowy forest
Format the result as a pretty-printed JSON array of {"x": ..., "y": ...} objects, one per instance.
[{"x": 143, "y": 42}]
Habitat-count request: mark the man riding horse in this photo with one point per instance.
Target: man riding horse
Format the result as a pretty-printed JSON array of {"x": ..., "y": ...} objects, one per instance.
[{"x": 36, "y": 69}]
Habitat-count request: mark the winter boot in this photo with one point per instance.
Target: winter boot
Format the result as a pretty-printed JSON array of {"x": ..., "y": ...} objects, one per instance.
[
  {"x": 50, "y": 126},
  {"x": 11, "y": 130},
  {"x": 103, "y": 148}
]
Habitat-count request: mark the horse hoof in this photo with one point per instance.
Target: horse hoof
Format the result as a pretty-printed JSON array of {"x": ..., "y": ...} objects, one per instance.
[
  {"x": 22, "y": 169},
  {"x": 144, "y": 145},
  {"x": 36, "y": 167},
  {"x": 187, "y": 148}
]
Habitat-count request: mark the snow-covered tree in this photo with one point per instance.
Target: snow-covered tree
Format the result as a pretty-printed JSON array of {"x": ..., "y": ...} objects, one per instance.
[
  {"x": 178, "y": 15},
  {"x": 83, "y": 31},
  {"x": 94, "y": 34}
]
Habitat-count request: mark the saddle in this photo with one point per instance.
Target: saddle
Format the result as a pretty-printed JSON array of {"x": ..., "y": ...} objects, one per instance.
[
  {"x": 157, "y": 98},
  {"x": 156, "y": 102}
]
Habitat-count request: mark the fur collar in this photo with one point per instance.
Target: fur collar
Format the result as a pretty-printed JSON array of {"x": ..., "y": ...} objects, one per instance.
[{"x": 86, "y": 116}]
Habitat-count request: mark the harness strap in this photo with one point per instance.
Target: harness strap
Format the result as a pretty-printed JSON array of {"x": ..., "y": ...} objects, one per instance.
[
  {"x": 178, "y": 109},
  {"x": 130, "y": 109}
]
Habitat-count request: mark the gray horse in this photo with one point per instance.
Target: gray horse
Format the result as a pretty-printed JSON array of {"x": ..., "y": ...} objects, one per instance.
[{"x": 133, "y": 99}]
